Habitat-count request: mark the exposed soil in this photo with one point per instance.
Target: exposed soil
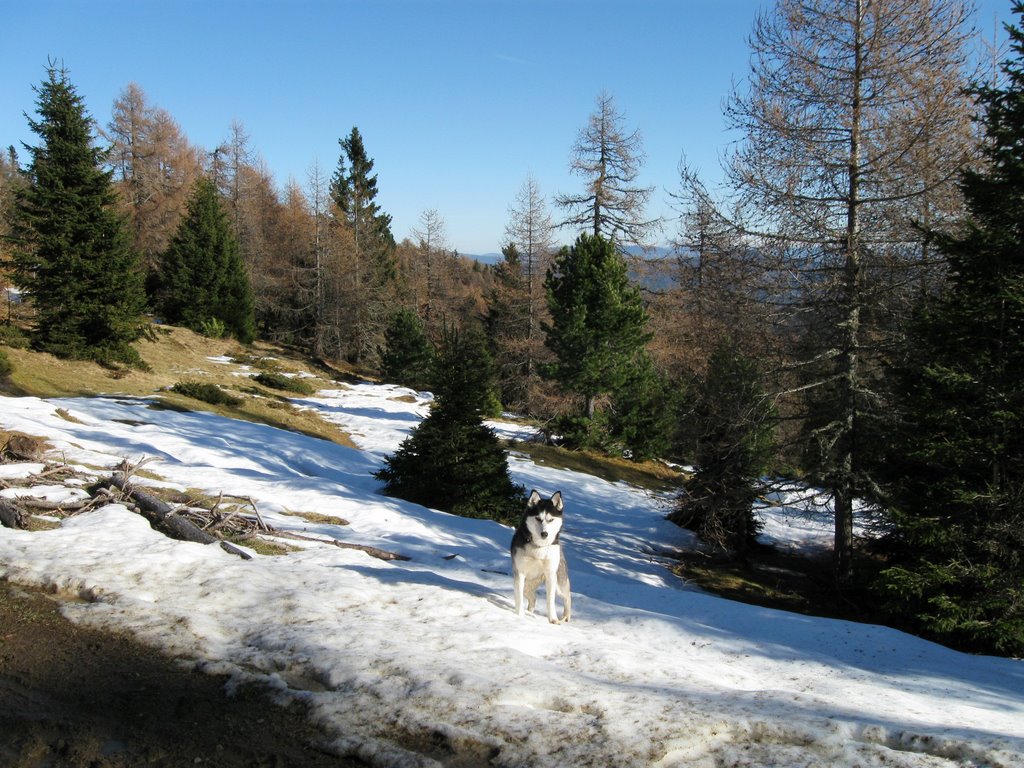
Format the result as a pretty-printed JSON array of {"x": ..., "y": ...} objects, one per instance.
[{"x": 74, "y": 697}]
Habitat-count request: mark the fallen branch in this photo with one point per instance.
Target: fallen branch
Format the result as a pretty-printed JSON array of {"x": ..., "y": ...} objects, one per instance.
[
  {"x": 166, "y": 514},
  {"x": 59, "y": 506},
  {"x": 380, "y": 554},
  {"x": 259, "y": 517}
]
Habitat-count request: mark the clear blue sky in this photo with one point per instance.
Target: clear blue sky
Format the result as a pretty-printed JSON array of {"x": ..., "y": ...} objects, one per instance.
[{"x": 457, "y": 100}]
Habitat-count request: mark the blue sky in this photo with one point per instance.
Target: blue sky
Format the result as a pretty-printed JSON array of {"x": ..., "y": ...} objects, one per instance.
[{"x": 458, "y": 101}]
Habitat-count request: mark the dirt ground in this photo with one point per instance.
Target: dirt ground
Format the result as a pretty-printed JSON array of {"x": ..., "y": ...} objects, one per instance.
[{"x": 73, "y": 697}]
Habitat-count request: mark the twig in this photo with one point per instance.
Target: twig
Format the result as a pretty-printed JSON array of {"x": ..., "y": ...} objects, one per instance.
[{"x": 252, "y": 503}]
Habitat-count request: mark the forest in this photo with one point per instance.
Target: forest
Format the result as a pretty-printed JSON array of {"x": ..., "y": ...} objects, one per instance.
[{"x": 846, "y": 311}]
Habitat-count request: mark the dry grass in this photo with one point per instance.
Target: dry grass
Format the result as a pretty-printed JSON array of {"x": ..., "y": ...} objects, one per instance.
[
  {"x": 650, "y": 475},
  {"x": 175, "y": 354}
]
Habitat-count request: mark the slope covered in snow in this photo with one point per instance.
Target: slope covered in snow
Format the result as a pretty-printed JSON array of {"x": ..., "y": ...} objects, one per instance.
[{"x": 424, "y": 662}]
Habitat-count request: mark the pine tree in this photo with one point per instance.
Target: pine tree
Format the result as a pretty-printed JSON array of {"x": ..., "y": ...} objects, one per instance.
[
  {"x": 203, "y": 279},
  {"x": 733, "y": 419},
  {"x": 407, "y": 354},
  {"x": 73, "y": 254},
  {"x": 452, "y": 460},
  {"x": 598, "y": 324},
  {"x": 958, "y": 465}
]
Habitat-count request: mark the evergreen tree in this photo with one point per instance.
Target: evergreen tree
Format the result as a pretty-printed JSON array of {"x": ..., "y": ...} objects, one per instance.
[
  {"x": 372, "y": 266},
  {"x": 73, "y": 254},
  {"x": 733, "y": 418},
  {"x": 598, "y": 324},
  {"x": 958, "y": 469},
  {"x": 407, "y": 355},
  {"x": 644, "y": 411},
  {"x": 203, "y": 279},
  {"x": 452, "y": 460}
]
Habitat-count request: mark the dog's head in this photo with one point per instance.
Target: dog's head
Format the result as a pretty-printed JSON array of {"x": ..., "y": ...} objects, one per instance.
[{"x": 543, "y": 517}]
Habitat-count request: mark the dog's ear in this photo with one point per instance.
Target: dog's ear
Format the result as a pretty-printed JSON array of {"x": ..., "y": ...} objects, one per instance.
[
  {"x": 557, "y": 500},
  {"x": 534, "y": 499}
]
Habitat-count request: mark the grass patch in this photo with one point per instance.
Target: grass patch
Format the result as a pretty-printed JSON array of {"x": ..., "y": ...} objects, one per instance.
[
  {"x": 275, "y": 380},
  {"x": 649, "y": 475},
  {"x": 319, "y": 519},
  {"x": 261, "y": 546},
  {"x": 64, "y": 414},
  {"x": 37, "y": 523},
  {"x": 268, "y": 364}
]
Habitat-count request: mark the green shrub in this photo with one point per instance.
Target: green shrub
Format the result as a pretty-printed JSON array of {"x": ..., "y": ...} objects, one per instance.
[
  {"x": 5, "y": 365},
  {"x": 14, "y": 337},
  {"x": 205, "y": 391},
  {"x": 286, "y": 383},
  {"x": 214, "y": 328}
]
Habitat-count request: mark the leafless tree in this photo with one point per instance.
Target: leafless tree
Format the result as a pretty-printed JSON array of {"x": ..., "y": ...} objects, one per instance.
[
  {"x": 531, "y": 232},
  {"x": 431, "y": 239},
  {"x": 608, "y": 157},
  {"x": 855, "y": 125},
  {"x": 154, "y": 168}
]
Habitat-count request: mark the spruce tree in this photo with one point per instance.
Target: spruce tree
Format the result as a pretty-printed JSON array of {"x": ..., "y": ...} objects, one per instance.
[
  {"x": 957, "y": 480},
  {"x": 203, "y": 280},
  {"x": 407, "y": 354},
  {"x": 373, "y": 271},
  {"x": 599, "y": 323},
  {"x": 73, "y": 254},
  {"x": 452, "y": 460}
]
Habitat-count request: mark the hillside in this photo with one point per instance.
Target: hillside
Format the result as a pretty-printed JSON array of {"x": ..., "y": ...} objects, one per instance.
[
  {"x": 421, "y": 660},
  {"x": 174, "y": 355}
]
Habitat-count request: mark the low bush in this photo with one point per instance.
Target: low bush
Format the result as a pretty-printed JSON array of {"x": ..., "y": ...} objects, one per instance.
[
  {"x": 286, "y": 383},
  {"x": 13, "y": 336},
  {"x": 205, "y": 391}
]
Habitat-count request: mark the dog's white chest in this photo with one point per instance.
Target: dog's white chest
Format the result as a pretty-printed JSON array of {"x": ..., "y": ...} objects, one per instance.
[{"x": 540, "y": 556}]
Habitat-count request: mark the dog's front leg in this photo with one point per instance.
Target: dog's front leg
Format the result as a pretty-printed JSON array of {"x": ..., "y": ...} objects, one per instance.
[
  {"x": 520, "y": 588},
  {"x": 551, "y": 589}
]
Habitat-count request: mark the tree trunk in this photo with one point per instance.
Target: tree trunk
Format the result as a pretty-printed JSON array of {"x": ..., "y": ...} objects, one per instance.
[
  {"x": 848, "y": 360},
  {"x": 10, "y": 515}
]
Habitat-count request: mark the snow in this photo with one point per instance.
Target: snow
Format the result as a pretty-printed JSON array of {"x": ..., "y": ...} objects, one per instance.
[{"x": 424, "y": 662}]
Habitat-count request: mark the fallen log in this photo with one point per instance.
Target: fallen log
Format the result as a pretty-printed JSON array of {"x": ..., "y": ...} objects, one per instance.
[
  {"x": 11, "y": 516},
  {"x": 166, "y": 514}
]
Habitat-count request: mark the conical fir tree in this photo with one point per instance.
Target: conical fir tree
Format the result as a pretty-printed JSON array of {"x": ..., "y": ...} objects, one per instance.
[
  {"x": 452, "y": 460},
  {"x": 407, "y": 353},
  {"x": 599, "y": 323},
  {"x": 958, "y": 486},
  {"x": 73, "y": 254},
  {"x": 202, "y": 275}
]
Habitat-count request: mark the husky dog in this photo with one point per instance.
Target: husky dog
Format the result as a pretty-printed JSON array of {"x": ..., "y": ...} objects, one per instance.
[{"x": 537, "y": 556}]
